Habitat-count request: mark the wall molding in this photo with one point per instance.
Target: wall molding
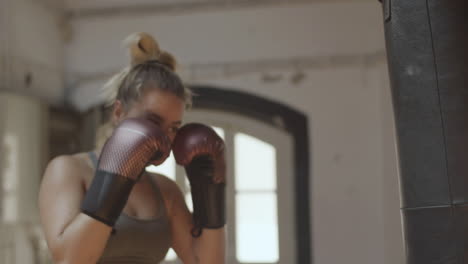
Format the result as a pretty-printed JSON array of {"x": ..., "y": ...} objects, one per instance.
[
  {"x": 199, "y": 72},
  {"x": 186, "y": 6}
]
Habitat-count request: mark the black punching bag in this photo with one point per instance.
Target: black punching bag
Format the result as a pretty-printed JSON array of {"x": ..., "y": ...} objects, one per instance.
[{"x": 427, "y": 50}]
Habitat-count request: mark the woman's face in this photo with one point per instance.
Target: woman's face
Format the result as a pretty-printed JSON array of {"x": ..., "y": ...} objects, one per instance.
[{"x": 164, "y": 108}]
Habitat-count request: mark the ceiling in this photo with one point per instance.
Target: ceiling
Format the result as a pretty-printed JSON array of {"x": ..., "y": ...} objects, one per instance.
[
  {"x": 93, "y": 8},
  {"x": 98, "y": 4}
]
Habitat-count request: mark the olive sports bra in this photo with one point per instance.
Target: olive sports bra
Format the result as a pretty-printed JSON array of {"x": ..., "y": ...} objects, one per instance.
[{"x": 138, "y": 241}]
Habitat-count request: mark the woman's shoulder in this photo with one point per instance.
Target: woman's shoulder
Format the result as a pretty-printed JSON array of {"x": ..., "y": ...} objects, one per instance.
[{"x": 69, "y": 167}]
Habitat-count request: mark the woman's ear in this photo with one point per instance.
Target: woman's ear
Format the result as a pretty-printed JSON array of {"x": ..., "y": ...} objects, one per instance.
[{"x": 117, "y": 113}]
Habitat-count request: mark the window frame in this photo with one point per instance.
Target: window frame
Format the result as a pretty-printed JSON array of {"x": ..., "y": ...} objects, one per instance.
[{"x": 284, "y": 117}]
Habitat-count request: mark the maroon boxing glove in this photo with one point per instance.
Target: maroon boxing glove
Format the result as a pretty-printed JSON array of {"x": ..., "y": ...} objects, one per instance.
[
  {"x": 134, "y": 144},
  {"x": 201, "y": 151}
]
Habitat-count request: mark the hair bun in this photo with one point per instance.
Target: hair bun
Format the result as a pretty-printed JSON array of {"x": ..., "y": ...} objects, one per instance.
[
  {"x": 142, "y": 47},
  {"x": 167, "y": 59}
]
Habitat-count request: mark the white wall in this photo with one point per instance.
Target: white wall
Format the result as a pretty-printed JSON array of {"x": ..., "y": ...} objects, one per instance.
[
  {"x": 32, "y": 42},
  {"x": 236, "y": 35},
  {"x": 339, "y": 48},
  {"x": 355, "y": 203}
]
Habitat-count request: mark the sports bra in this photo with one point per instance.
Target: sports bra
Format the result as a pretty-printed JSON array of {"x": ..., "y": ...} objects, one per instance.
[{"x": 135, "y": 240}]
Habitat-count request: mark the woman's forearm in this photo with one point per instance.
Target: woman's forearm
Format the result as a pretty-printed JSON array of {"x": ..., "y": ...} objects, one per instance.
[
  {"x": 82, "y": 241},
  {"x": 210, "y": 247}
]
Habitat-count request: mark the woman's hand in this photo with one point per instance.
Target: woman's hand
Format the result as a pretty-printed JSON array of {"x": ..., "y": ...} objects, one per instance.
[
  {"x": 134, "y": 144},
  {"x": 201, "y": 151},
  {"x": 202, "y": 240}
]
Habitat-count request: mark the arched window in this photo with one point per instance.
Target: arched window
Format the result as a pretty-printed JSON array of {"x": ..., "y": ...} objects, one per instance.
[
  {"x": 262, "y": 193},
  {"x": 257, "y": 199}
]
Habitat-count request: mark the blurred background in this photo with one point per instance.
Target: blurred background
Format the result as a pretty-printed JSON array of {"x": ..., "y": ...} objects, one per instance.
[{"x": 298, "y": 89}]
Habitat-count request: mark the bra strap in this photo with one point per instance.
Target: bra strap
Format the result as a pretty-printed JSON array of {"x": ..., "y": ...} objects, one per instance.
[{"x": 93, "y": 158}]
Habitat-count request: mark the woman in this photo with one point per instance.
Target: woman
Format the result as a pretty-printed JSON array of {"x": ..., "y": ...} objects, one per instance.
[{"x": 102, "y": 207}]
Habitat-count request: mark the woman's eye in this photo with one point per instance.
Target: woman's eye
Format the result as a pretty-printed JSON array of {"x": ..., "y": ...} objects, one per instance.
[
  {"x": 154, "y": 120},
  {"x": 173, "y": 129}
]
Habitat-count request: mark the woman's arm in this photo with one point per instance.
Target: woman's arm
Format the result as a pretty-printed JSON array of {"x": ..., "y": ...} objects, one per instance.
[
  {"x": 209, "y": 248},
  {"x": 72, "y": 236},
  {"x": 200, "y": 150}
]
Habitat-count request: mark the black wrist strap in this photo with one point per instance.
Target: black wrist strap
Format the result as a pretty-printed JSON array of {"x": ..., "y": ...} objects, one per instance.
[
  {"x": 208, "y": 207},
  {"x": 106, "y": 197},
  {"x": 208, "y": 197}
]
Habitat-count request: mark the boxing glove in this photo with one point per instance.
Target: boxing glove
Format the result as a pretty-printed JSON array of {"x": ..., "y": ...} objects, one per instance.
[
  {"x": 133, "y": 145},
  {"x": 201, "y": 151}
]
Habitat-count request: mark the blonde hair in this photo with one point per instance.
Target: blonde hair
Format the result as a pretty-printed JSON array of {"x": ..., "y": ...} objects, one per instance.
[{"x": 149, "y": 67}]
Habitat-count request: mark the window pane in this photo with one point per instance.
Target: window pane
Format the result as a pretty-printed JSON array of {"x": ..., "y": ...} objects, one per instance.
[
  {"x": 10, "y": 207},
  {"x": 219, "y": 131},
  {"x": 257, "y": 228},
  {"x": 171, "y": 255},
  {"x": 255, "y": 164},
  {"x": 166, "y": 169},
  {"x": 188, "y": 201},
  {"x": 187, "y": 183},
  {"x": 9, "y": 183}
]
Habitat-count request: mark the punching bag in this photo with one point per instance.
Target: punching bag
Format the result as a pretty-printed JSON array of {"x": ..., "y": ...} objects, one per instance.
[{"x": 427, "y": 51}]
